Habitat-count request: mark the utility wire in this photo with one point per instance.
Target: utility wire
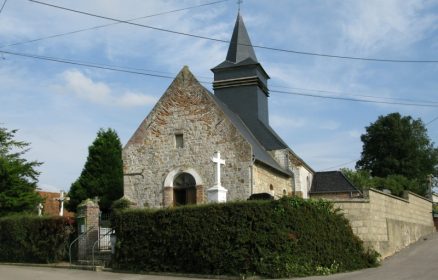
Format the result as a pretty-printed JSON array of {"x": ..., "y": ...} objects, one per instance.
[
  {"x": 120, "y": 69},
  {"x": 67, "y": 61},
  {"x": 436, "y": 118},
  {"x": 357, "y": 95},
  {"x": 4, "y": 3},
  {"x": 106, "y": 25},
  {"x": 226, "y": 41},
  {"x": 354, "y": 99},
  {"x": 339, "y": 165}
]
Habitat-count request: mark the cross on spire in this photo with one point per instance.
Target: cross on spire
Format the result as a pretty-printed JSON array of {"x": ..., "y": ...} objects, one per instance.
[{"x": 239, "y": 2}]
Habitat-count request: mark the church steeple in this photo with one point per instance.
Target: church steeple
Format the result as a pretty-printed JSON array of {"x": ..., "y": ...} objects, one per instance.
[
  {"x": 240, "y": 81},
  {"x": 240, "y": 46}
]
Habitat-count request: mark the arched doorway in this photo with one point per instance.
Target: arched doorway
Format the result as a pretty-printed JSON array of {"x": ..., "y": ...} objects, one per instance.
[{"x": 184, "y": 189}]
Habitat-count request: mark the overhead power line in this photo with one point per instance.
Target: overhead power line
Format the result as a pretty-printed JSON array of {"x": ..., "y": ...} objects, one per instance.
[
  {"x": 436, "y": 118},
  {"x": 226, "y": 41},
  {"x": 339, "y": 165},
  {"x": 4, "y": 3},
  {"x": 358, "y": 95},
  {"x": 72, "y": 62},
  {"x": 140, "y": 72},
  {"x": 106, "y": 25},
  {"x": 354, "y": 99}
]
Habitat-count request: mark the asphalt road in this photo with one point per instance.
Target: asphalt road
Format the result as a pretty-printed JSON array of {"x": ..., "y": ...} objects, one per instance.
[{"x": 417, "y": 262}]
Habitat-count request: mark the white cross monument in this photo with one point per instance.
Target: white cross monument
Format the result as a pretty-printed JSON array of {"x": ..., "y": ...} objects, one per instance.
[
  {"x": 40, "y": 207},
  {"x": 217, "y": 193},
  {"x": 61, "y": 200}
]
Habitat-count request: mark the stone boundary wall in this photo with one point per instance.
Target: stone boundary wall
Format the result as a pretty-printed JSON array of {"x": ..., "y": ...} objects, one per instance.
[{"x": 388, "y": 223}]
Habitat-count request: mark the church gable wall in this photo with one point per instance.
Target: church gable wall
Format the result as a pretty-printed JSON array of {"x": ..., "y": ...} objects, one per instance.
[{"x": 185, "y": 109}]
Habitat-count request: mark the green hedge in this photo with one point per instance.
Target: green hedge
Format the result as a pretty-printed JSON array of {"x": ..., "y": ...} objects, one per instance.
[
  {"x": 27, "y": 238},
  {"x": 283, "y": 238}
]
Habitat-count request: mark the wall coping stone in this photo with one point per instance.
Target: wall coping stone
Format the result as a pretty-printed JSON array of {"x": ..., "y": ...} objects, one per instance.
[
  {"x": 390, "y": 195},
  {"x": 419, "y": 196}
]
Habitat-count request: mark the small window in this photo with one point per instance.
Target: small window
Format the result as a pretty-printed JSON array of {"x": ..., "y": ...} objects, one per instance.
[
  {"x": 271, "y": 187},
  {"x": 179, "y": 141},
  {"x": 284, "y": 192}
]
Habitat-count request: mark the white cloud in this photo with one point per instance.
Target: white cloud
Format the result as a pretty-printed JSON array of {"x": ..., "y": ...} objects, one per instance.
[
  {"x": 101, "y": 93},
  {"x": 375, "y": 24},
  {"x": 282, "y": 122},
  {"x": 354, "y": 133},
  {"x": 129, "y": 99},
  {"x": 85, "y": 88}
]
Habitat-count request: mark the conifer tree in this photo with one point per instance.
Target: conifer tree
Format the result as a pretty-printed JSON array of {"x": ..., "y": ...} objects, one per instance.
[
  {"x": 18, "y": 177},
  {"x": 102, "y": 175}
]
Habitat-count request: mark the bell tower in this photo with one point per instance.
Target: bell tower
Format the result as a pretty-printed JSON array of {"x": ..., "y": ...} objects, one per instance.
[{"x": 240, "y": 81}]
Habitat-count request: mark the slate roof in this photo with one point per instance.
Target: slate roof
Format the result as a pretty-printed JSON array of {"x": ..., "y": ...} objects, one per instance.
[
  {"x": 240, "y": 46},
  {"x": 259, "y": 151},
  {"x": 241, "y": 54},
  {"x": 332, "y": 182}
]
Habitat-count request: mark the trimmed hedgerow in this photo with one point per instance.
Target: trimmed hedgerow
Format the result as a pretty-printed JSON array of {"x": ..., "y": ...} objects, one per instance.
[
  {"x": 27, "y": 238},
  {"x": 283, "y": 238}
]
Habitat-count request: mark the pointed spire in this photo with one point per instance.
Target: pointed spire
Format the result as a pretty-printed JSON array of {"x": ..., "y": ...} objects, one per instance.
[{"x": 240, "y": 45}]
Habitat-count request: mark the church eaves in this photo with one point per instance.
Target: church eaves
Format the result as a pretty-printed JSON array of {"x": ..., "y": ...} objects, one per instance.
[{"x": 240, "y": 46}]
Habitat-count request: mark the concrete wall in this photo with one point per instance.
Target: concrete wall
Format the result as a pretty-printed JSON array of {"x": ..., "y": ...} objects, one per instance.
[{"x": 388, "y": 223}]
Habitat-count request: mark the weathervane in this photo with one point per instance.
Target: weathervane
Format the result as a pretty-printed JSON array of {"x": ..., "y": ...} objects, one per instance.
[{"x": 238, "y": 3}]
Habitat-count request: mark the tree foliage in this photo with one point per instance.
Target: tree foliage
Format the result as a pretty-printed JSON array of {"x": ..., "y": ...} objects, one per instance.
[
  {"x": 102, "y": 175},
  {"x": 18, "y": 177},
  {"x": 397, "y": 184},
  {"x": 399, "y": 145}
]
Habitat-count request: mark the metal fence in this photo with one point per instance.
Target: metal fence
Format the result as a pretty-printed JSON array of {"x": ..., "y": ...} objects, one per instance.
[{"x": 105, "y": 230}]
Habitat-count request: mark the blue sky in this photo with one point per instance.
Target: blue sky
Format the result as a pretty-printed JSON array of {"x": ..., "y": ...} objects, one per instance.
[{"x": 60, "y": 107}]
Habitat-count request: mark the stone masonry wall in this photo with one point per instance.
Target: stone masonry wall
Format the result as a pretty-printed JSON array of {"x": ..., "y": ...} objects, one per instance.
[
  {"x": 151, "y": 154},
  {"x": 265, "y": 177},
  {"x": 388, "y": 223}
]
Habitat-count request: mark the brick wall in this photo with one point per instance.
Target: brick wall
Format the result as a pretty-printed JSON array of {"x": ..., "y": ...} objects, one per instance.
[
  {"x": 88, "y": 216},
  {"x": 388, "y": 223}
]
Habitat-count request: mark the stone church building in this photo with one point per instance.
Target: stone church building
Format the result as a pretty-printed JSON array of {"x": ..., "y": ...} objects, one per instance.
[{"x": 168, "y": 160}]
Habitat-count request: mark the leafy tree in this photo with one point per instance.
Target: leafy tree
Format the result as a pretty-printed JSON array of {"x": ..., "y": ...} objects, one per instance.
[
  {"x": 363, "y": 180},
  {"x": 396, "y": 145},
  {"x": 102, "y": 175},
  {"x": 18, "y": 177}
]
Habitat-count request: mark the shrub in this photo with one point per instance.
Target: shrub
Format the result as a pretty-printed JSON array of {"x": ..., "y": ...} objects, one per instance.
[
  {"x": 282, "y": 238},
  {"x": 27, "y": 238}
]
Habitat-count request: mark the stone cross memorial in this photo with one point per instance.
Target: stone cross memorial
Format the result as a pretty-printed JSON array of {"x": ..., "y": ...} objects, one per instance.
[
  {"x": 217, "y": 193},
  {"x": 40, "y": 209},
  {"x": 61, "y": 200}
]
